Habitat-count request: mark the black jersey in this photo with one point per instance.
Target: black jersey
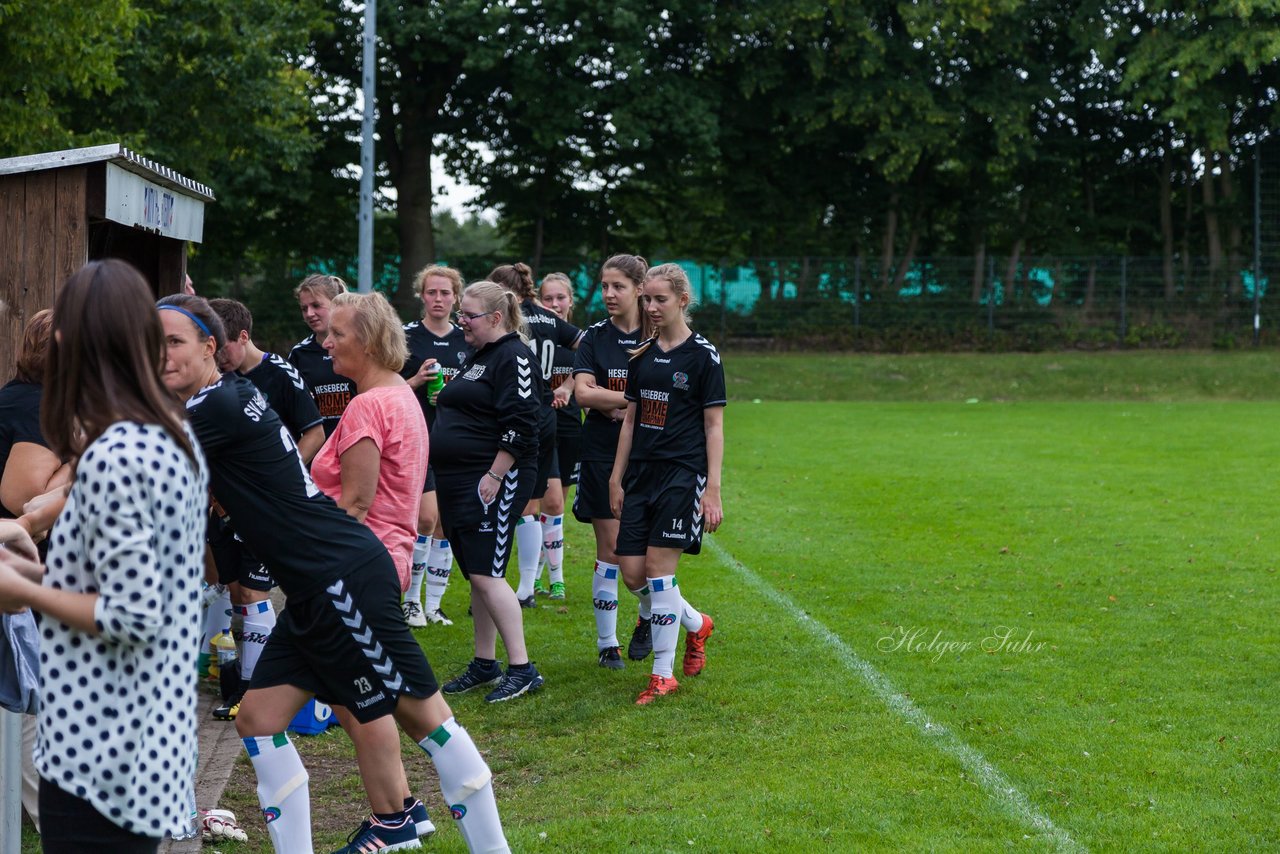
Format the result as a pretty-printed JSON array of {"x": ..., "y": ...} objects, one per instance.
[
  {"x": 255, "y": 473},
  {"x": 332, "y": 391},
  {"x": 568, "y": 417},
  {"x": 603, "y": 354},
  {"x": 547, "y": 332},
  {"x": 450, "y": 351},
  {"x": 19, "y": 422},
  {"x": 286, "y": 391},
  {"x": 671, "y": 390},
  {"x": 491, "y": 405}
]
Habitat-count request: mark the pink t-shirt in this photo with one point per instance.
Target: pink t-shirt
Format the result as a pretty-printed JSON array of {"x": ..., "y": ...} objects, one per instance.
[{"x": 392, "y": 418}]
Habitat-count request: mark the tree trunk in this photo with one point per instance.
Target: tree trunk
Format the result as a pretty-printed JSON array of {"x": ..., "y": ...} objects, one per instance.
[
  {"x": 890, "y": 236},
  {"x": 1235, "y": 234},
  {"x": 537, "y": 243},
  {"x": 1011, "y": 271},
  {"x": 1212, "y": 230},
  {"x": 1166, "y": 225},
  {"x": 904, "y": 266},
  {"x": 1090, "y": 286},
  {"x": 979, "y": 269},
  {"x": 1188, "y": 206}
]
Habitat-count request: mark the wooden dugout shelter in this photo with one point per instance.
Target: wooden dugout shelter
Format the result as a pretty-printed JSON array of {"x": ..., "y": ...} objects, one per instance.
[{"x": 62, "y": 209}]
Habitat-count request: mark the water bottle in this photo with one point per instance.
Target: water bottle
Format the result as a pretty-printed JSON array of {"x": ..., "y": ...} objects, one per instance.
[
  {"x": 228, "y": 665},
  {"x": 434, "y": 385}
]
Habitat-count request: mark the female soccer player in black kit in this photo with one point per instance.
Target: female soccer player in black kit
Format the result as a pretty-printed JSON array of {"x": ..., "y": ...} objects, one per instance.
[
  {"x": 341, "y": 637},
  {"x": 437, "y": 348},
  {"x": 665, "y": 485},
  {"x": 600, "y": 378},
  {"x": 485, "y": 452},
  {"x": 331, "y": 391},
  {"x": 546, "y": 332}
]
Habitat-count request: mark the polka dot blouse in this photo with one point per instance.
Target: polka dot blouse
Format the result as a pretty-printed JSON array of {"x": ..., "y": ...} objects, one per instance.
[{"x": 117, "y": 712}]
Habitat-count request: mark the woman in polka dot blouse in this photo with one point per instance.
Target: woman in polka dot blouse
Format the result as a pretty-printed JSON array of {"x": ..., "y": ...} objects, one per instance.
[{"x": 116, "y": 747}]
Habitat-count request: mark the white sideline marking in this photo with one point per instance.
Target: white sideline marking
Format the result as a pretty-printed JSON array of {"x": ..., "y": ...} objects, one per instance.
[{"x": 998, "y": 786}]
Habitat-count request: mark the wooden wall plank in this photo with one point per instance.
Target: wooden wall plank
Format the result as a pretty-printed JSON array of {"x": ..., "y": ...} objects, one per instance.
[
  {"x": 41, "y": 271},
  {"x": 13, "y": 194},
  {"x": 71, "y": 243}
]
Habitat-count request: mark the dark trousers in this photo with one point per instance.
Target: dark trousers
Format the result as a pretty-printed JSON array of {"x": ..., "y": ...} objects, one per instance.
[{"x": 71, "y": 825}]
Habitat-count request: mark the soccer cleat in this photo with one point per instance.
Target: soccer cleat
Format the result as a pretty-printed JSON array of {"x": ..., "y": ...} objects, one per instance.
[
  {"x": 540, "y": 586},
  {"x": 528, "y": 602},
  {"x": 515, "y": 683},
  {"x": 695, "y": 647},
  {"x": 473, "y": 677},
  {"x": 438, "y": 618},
  {"x": 557, "y": 590},
  {"x": 372, "y": 835},
  {"x": 228, "y": 710},
  {"x": 611, "y": 658},
  {"x": 422, "y": 824},
  {"x": 641, "y": 641},
  {"x": 659, "y": 686},
  {"x": 413, "y": 613}
]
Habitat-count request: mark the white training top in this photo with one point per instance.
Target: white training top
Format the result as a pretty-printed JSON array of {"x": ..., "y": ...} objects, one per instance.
[{"x": 117, "y": 722}]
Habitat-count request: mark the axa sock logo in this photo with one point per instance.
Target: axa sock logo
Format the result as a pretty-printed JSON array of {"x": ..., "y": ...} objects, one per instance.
[
  {"x": 457, "y": 811},
  {"x": 662, "y": 619},
  {"x": 605, "y": 604},
  {"x": 439, "y": 571},
  {"x": 270, "y": 814}
]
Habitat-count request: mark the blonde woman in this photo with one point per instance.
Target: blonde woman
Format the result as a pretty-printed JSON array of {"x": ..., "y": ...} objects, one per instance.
[
  {"x": 437, "y": 349},
  {"x": 486, "y": 441},
  {"x": 665, "y": 485}
]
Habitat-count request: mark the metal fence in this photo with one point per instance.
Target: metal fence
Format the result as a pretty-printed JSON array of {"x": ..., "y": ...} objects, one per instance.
[{"x": 987, "y": 302}]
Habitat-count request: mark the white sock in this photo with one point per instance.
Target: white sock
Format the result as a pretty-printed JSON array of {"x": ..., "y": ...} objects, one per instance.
[
  {"x": 439, "y": 565},
  {"x": 528, "y": 547},
  {"x": 553, "y": 544},
  {"x": 282, "y": 791},
  {"x": 217, "y": 618},
  {"x": 259, "y": 620},
  {"x": 665, "y": 621},
  {"x": 642, "y": 593},
  {"x": 418, "y": 569},
  {"x": 467, "y": 786},
  {"x": 604, "y": 597},
  {"x": 690, "y": 617}
]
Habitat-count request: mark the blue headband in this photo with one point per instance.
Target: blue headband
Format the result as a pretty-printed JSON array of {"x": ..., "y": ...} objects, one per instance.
[{"x": 197, "y": 321}]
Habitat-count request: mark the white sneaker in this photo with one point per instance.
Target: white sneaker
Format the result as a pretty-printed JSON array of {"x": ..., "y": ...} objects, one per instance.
[
  {"x": 413, "y": 613},
  {"x": 437, "y": 618}
]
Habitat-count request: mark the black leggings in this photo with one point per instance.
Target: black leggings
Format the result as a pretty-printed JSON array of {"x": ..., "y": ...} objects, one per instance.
[{"x": 71, "y": 825}]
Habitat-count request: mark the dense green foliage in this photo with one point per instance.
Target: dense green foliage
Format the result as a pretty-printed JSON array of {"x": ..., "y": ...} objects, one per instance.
[{"x": 878, "y": 129}]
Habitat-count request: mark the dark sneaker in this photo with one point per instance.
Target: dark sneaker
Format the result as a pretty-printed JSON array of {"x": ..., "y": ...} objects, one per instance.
[
  {"x": 695, "y": 647},
  {"x": 659, "y": 686},
  {"x": 611, "y": 657},
  {"x": 373, "y": 835},
  {"x": 530, "y": 602},
  {"x": 515, "y": 683},
  {"x": 641, "y": 642},
  {"x": 473, "y": 677},
  {"x": 228, "y": 710},
  {"x": 418, "y": 815}
]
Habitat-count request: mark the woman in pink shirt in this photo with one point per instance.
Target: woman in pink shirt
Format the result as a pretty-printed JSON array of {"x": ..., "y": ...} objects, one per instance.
[
  {"x": 373, "y": 465},
  {"x": 375, "y": 461}
]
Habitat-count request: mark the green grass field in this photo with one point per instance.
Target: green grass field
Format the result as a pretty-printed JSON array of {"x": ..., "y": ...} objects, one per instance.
[{"x": 1040, "y": 624}]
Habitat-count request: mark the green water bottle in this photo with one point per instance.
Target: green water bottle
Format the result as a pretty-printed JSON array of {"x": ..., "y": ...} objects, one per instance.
[{"x": 434, "y": 385}]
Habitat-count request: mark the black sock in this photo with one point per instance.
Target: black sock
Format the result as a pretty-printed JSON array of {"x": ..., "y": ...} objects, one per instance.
[
  {"x": 392, "y": 818},
  {"x": 486, "y": 663},
  {"x": 409, "y": 802},
  {"x": 521, "y": 668}
]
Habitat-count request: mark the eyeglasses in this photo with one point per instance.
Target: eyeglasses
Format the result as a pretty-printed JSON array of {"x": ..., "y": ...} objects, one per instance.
[{"x": 462, "y": 315}]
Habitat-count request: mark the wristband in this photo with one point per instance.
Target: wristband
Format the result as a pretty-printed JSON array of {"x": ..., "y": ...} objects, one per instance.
[{"x": 494, "y": 476}]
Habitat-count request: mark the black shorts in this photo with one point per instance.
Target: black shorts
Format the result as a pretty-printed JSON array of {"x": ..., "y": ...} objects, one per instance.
[
  {"x": 233, "y": 559},
  {"x": 662, "y": 507},
  {"x": 481, "y": 537},
  {"x": 349, "y": 645},
  {"x": 430, "y": 485},
  {"x": 568, "y": 446},
  {"x": 546, "y": 461},
  {"x": 592, "y": 498}
]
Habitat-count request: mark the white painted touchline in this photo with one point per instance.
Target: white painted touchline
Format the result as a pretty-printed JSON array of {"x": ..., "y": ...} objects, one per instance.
[{"x": 997, "y": 785}]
